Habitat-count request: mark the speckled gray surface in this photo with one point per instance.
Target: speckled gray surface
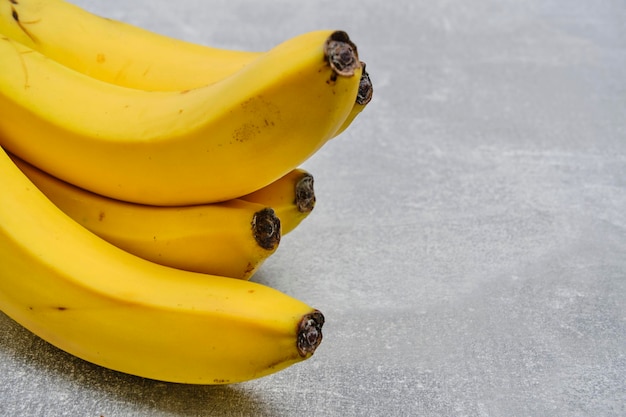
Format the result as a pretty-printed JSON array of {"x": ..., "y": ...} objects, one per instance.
[{"x": 468, "y": 247}]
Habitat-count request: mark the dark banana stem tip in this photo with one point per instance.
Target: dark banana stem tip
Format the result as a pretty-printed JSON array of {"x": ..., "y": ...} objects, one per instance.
[
  {"x": 341, "y": 54},
  {"x": 305, "y": 194},
  {"x": 310, "y": 333},
  {"x": 366, "y": 89},
  {"x": 266, "y": 228}
]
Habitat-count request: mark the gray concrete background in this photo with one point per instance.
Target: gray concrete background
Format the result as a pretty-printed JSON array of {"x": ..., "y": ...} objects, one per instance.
[{"x": 468, "y": 247}]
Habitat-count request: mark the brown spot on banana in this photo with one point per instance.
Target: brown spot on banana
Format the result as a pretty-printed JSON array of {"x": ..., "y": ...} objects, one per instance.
[
  {"x": 260, "y": 114},
  {"x": 15, "y": 15}
]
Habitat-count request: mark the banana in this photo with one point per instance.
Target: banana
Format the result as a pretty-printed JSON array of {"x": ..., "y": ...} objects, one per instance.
[
  {"x": 292, "y": 197},
  {"x": 109, "y": 307},
  {"x": 124, "y": 54},
  {"x": 115, "y": 51},
  {"x": 231, "y": 239},
  {"x": 364, "y": 96},
  {"x": 205, "y": 145}
]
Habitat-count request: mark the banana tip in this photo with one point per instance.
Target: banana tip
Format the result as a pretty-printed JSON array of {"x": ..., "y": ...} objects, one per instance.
[
  {"x": 305, "y": 194},
  {"x": 341, "y": 53},
  {"x": 366, "y": 88},
  {"x": 266, "y": 228},
  {"x": 310, "y": 333}
]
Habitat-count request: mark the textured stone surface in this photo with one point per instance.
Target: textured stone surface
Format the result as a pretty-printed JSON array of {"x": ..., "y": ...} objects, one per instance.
[{"x": 468, "y": 246}]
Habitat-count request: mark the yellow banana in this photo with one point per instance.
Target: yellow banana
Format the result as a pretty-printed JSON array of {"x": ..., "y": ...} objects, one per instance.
[
  {"x": 364, "y": 96},
  {"x": 124, "y": 54},
  {"x": 205, "y": 145},
  {"x": 115, "y": 51},
  {"x": 232, "y": 238},
  {"x": 292, "y": 197},
  {"x": 119, "y": 311}
]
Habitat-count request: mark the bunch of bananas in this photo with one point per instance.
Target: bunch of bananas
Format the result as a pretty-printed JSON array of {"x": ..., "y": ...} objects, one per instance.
[{"x": 142, "y": 175}]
